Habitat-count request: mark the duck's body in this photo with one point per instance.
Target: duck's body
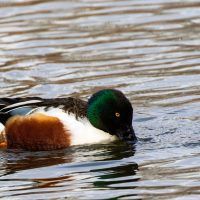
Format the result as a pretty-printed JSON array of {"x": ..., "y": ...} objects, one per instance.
[{"x": 44, "y": 124}]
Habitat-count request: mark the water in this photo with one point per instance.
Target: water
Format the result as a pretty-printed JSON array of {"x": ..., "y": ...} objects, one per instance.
[{"x": 149, "y": 49}]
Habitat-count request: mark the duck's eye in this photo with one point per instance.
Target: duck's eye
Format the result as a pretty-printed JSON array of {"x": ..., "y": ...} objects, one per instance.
[{"x": 117, "y": 114}]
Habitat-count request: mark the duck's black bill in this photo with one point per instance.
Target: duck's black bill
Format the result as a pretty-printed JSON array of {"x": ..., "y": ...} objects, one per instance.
[{"x": 128, "y": 135}]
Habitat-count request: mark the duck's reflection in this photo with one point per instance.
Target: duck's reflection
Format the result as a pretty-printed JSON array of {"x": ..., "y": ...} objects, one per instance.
[
  {"x": 16, "y": 160},
  {"x": 83, "y": 167}
]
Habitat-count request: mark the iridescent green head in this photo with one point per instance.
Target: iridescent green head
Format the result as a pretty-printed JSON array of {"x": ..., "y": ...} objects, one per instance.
[{"x": 110, "y": 111}]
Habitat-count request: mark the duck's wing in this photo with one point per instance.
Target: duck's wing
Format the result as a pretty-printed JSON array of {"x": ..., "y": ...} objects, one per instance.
[
  {"x": 16, "y": 106},
  {"x": 25, "y": 106},
  {"x": 10, "y": 101}
]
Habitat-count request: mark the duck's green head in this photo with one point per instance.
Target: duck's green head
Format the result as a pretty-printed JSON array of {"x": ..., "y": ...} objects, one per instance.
[{"x": 110, "y": 111}]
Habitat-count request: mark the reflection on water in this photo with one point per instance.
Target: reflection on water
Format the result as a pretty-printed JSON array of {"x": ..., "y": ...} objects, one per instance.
[
  {"x": 147, "y": 48},
  {"x": 60, "y": 172}
]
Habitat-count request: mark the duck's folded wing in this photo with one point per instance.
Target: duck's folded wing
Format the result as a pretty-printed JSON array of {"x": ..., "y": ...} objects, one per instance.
[
  {"x": 16, "y": 106},
  {"x": 7, "y": 103}
]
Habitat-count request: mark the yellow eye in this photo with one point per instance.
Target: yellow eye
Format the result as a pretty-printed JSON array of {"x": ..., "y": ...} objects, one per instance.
[{"x": 117, "y": 114}]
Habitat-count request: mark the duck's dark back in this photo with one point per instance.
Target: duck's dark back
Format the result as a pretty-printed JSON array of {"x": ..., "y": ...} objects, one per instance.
[{"x": 22, "y": 106}]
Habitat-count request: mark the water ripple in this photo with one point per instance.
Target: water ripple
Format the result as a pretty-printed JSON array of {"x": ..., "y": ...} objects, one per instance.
[{"x": 147, "y": 48}]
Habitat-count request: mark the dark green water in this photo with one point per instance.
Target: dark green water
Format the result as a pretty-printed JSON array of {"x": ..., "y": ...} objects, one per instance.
[{"x": 149, "y": 49}]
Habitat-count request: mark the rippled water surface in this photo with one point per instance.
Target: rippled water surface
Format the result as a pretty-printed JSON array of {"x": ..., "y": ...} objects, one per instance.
[{"x": 149, "y": 49}]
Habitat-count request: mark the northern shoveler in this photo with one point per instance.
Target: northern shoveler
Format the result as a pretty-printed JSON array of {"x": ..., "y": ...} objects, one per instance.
[{"x": 47, "y": 124}]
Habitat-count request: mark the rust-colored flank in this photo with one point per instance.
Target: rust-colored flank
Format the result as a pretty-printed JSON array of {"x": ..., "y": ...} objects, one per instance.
[
  {"x": 36, "y": 132},
  {"x": 3, "y": 145}
]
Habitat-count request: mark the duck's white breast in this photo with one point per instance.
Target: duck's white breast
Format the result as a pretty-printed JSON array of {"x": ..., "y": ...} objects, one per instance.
[
  {"x": 82, "y": 132},
  {"x": 1, "y": 127}
]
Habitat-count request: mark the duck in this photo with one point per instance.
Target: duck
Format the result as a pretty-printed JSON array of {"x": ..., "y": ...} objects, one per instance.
[{"x": 39, "y": 124}]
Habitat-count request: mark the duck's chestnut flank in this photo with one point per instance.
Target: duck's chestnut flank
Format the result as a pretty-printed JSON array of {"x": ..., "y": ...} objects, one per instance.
[{"x": 36, "y": 132}]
